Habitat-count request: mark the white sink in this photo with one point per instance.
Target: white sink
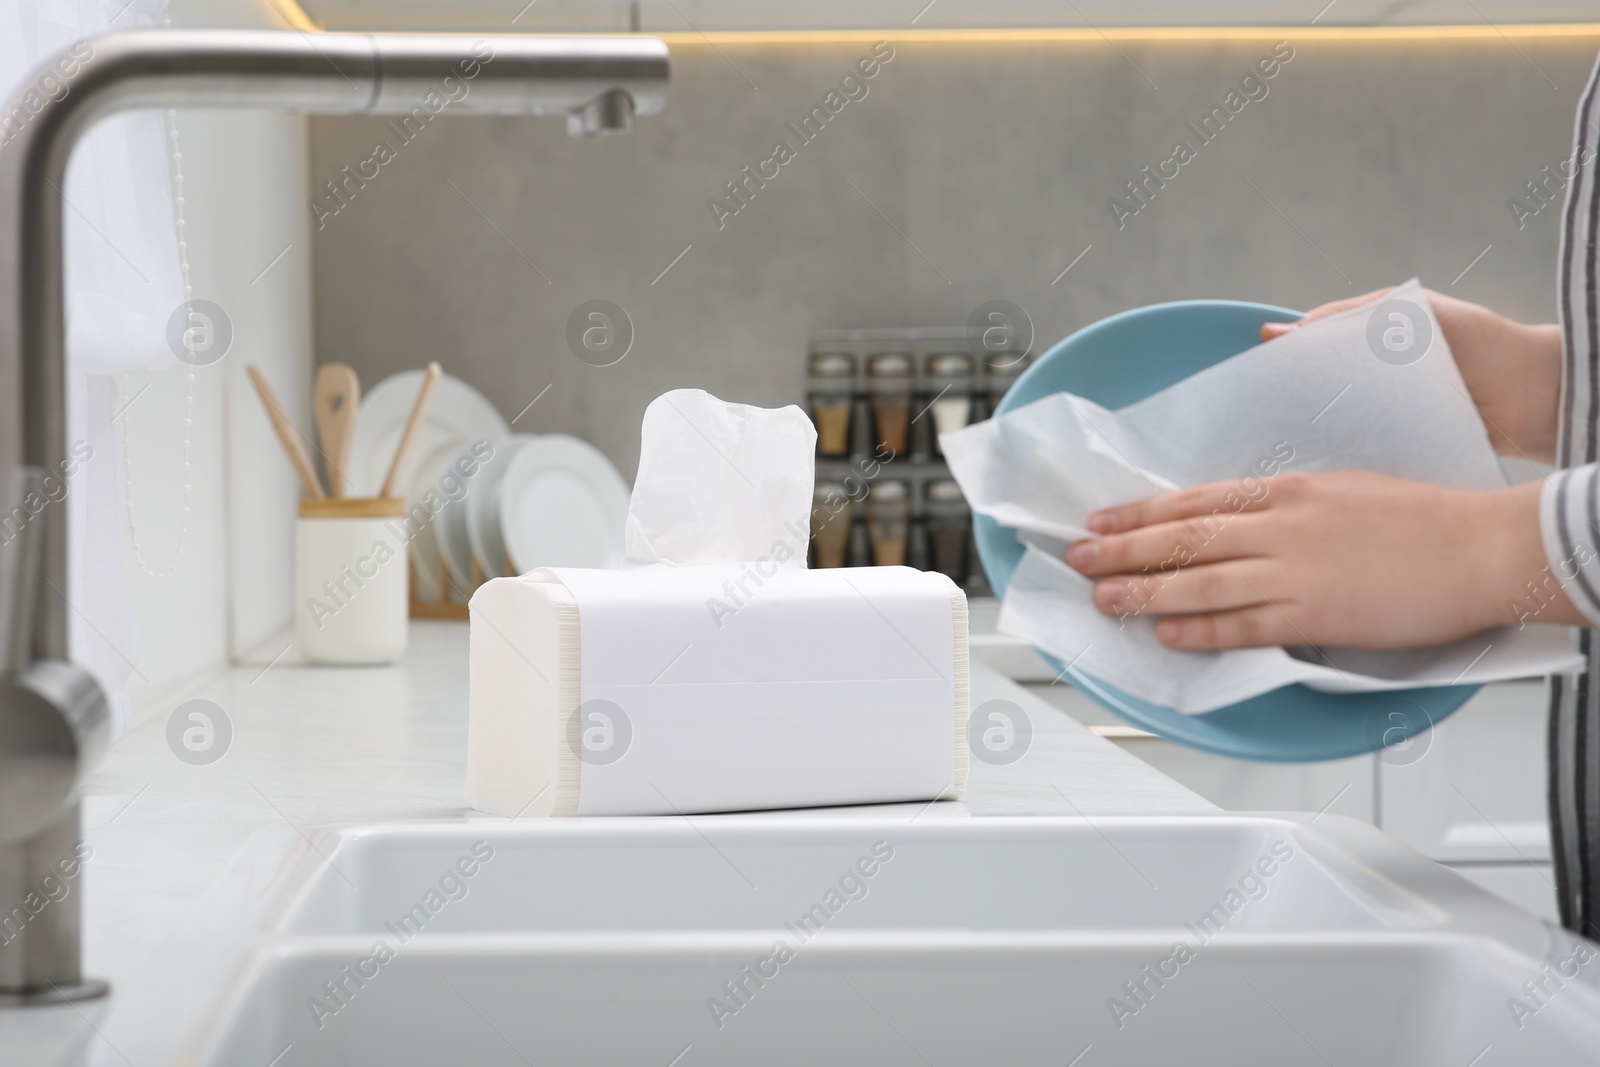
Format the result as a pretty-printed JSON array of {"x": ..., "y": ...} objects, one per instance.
[
  {"x": 757, "y": 874},
  {"x": 986, "y": 940}
]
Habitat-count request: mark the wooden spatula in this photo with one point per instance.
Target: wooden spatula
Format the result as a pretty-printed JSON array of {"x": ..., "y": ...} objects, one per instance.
[
  {"x": 336, "y": 399},
  {"x": 419, "y": 411},
  {"x": 288, "y": 436}
]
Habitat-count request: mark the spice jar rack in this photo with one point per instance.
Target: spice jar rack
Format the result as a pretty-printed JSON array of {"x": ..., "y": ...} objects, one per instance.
[{"x": 879, "y": 400}]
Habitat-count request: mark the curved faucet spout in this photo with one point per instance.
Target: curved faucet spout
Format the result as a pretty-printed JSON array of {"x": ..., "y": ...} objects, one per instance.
[
  {"x": 599, "y": 83},
  {"x": 595, "y": 80}
]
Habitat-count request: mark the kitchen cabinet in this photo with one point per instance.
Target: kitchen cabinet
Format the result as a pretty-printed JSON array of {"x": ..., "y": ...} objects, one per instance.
[
  {"x": 1470, "y": 795},
  {"x": 1341, "y": 787},
  {"x": 1476, "y": 793},
  {"x": 1530, "y": 886}
]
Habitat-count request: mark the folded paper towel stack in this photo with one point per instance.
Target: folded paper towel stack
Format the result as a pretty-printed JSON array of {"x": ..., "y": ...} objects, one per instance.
[
  {"x": 714, "y": 671},
  {"x": 1319, "y": 399}
]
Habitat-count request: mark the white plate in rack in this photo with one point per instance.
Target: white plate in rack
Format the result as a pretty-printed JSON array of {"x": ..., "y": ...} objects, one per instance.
[
  {"x": 450, "y": 528},
  {"x": 483, "y": 506},
  {"x": 562, "y": 504},
  {"x": 458, "y": 413},
  {"x": 424, "y": 544}
]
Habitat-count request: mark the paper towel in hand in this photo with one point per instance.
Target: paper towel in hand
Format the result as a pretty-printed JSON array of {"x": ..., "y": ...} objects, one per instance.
[
  {"x": 720, "y": 672},
  {"x": 721, "y": 482},
  {"x": 1318, "y": 399}
]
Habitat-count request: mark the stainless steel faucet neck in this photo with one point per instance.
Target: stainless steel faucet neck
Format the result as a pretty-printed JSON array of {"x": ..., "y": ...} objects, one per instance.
[
  {"x": 601, "y": 82},
  {"x": 52, "y": 715}
]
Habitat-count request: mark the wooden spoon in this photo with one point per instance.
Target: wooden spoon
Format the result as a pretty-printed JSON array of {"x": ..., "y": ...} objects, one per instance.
[
  {"x": 288, "y": 436},
  {"x": 335, "y": 401},
  {"x": 419, "y": 410}
]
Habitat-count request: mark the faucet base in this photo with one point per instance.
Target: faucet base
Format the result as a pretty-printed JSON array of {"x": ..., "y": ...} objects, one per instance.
[
  {"x": 84, "y": 989},
  {"x": 41, "y": 916}
]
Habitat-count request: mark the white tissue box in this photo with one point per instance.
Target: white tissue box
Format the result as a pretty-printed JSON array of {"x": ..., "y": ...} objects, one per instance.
[{"x": 664, "y": 690}]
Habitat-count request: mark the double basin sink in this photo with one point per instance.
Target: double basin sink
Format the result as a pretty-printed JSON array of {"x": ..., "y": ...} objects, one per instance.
[{"x": 850, "y": 939}]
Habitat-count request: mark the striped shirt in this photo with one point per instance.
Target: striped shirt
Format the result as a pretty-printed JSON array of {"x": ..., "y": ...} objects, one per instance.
[{"x": 1570, "y": 528}]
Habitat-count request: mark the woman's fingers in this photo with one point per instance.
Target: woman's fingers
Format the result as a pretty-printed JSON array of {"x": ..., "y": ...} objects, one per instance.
[
  {"x": 1216, "y": 501},
  {"x": 1165, "y": 547},
  {"x": 1257, "y": 626},
  {"x": 1205, "y": 589},
  {"x": 1272, "y": 330}
]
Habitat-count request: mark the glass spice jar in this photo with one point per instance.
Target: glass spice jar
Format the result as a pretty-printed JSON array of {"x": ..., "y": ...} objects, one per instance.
[
  {"x": 888, "y": 508},
  {"x": 831, "y": 381},
  {"x": 831, "y": 515},
  {"x": 889, "y": 389},
  {"x": 949, "y": 388},
  {"x": 949, "y": 528}
]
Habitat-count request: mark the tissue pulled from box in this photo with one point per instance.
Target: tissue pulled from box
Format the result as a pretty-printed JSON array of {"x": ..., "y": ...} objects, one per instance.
[
  {"x": 1318, "y": 399},
  {"x": 721, "y": 482},
  {"x": 715, "y": 671}
]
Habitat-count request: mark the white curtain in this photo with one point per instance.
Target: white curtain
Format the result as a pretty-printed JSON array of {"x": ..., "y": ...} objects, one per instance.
[{"x": 125, "y": 278}]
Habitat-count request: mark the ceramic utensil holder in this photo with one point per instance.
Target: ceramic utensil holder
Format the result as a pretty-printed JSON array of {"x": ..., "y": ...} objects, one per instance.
[{"x": 350, "y": 580}]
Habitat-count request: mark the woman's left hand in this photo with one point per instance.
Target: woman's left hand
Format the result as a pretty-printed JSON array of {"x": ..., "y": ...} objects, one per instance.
[{"x": 1351, "y": 559}]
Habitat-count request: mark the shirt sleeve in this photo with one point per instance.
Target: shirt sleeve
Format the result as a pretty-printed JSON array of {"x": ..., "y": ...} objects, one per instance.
[{"x": 1569, "y": 523}]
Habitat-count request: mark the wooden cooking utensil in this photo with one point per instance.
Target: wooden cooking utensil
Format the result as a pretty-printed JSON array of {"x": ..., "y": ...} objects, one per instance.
[
  {"x": 419, "y": 411},
  {"x": 288, "y": 436},
  {"x": 335, "y": 401}
]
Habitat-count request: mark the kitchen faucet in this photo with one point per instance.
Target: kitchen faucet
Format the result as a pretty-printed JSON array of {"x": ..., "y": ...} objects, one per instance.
[{"x": 53, "y": 715}]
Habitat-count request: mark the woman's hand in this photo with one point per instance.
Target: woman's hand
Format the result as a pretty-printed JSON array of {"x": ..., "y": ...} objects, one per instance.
[
  {"x": 1512, "y": 370},
  {"x": 1350, "y": 559}
]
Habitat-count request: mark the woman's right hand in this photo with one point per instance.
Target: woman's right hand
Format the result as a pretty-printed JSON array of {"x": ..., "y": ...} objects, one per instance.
[{"x": 1512, "y": 370}]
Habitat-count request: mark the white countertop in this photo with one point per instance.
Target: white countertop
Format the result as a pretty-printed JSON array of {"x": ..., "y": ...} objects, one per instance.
[{"x": 317, "y": 746}]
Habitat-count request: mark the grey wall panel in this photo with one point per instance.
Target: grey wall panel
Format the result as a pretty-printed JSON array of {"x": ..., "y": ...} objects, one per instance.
[{"x": 966, "y": 173}]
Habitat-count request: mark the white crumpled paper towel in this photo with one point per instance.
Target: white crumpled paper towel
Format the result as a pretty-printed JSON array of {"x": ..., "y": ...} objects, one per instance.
[
  {"x": 721, "y": 482},
  {"x": 1319, "y": 399}
]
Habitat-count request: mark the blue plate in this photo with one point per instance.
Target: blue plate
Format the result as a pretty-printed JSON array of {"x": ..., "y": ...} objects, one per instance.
[{"x": 1124, "y": 359}]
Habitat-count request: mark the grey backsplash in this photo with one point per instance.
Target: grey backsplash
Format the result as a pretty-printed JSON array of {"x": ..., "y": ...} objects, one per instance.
[{"x": 967, "y": 172}]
